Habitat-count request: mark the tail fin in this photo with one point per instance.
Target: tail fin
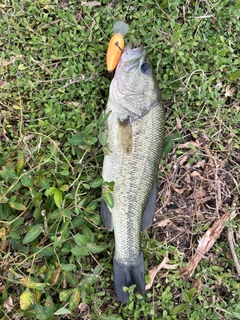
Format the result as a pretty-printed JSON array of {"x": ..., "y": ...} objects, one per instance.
[{"x": 126, "y": 276}]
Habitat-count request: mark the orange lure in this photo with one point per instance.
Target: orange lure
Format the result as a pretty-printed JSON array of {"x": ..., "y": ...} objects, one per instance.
[{"x": 116, "y": 45}]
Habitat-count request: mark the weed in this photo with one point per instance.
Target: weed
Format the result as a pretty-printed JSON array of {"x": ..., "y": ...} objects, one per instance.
[{"x": 56, "y": 256}]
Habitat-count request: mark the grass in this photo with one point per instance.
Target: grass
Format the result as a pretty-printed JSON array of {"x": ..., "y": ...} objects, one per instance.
[{"x": 56, "y": 256}]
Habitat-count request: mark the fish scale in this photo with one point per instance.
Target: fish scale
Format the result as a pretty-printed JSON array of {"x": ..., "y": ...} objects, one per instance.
[{"x": 135, "y": 141}]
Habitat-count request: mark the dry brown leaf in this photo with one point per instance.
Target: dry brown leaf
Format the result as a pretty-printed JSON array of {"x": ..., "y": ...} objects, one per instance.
[
  {"x": 3, "y": 84},
  {"x": 187, "y": 178},
  {"x": 179, "y": 125},
  {"x": 8, "y": 304},
  {"x": 188, "y": 145},
  {"x": 75, "y": 104},
  {"x": 164, "y": 275},
  {"x": 56, "y": 276},
  {"x": 205, "y": 243},
  {"x": 195, "y": 174},
  {"x": 154, "y": 271},
  {"x": 2, "y": 288},
  {"x": 162, "y": 223},
  {"x": 184, "y": 159},
  {"x": 83, "y": 307},
  {"x": 179, "y": 191},
  {"x": 200, "y": 164},
  {"x": 229, "y": 92},
  {"x": 5, "y": 63},
  {"x": 198, "y": 194},
  {"x": 197, "y": 284},
  {"x": 91, "y": 3}
]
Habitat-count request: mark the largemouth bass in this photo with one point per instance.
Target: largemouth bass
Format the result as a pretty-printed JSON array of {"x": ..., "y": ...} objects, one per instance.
[{"x": 135, "y": 140}]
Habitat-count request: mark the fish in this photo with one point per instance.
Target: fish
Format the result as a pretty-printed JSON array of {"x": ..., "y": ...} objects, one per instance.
[
  {"x": 116, "y": 45},
  {"x": 135, "y": 129}
]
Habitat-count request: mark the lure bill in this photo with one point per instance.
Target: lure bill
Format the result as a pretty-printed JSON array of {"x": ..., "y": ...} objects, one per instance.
[{"x": 116, "y": 45}]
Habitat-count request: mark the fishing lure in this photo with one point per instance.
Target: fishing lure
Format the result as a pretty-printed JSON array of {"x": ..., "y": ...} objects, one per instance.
[{"x": 116, "y": 45}]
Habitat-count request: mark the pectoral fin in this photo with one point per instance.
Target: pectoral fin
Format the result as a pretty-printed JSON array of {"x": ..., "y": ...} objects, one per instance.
[
  {"x": 150, "y": 208},
  {"x": 124, "y": 136},
  {"x": 106, "y": 216}
]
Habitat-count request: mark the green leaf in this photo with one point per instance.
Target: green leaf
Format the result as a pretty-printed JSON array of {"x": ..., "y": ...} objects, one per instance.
[
  {"x": 64, "y": 295},
  {"x": 180, "y": 308},
  {"x": 96, "y": 183},
  {"x": 190, "y": 293},
  {"x": 30, "y": 284},
  {"x": 139, "y": 296},
  {"x": 102, "y": 137},
  {"x": 64, "y": 173},
  {"x": 62, "y": 311},
  {"x": 75, "y": 299},
  {"x": 17, "y": 206},
  {"x": 170, "y": 140},
  {"x": 66, "y": 213},
  {"x": 90, "y": 140},
  {"x": 58, "y": 198},
  {"x": 168, "y": 146},
  {"x": 21, "y": 162},
  {"x": 108, "y": 185},
  {"x": 78, "y": 140},
  {"x": 102, "y": 119},
  {"x": 50, "y": 191},
  {"x": 91, "y": 206},
  {"x": 26, "y": 299},
  {"x": 89, "y": 128},
  {"x": 112, "y": 317},
  {"x": 78, "y": 221},
  {"x": 45, "y": 252},
  {"x": 33, "y": 233},
  {"x": 40, "y": 312},
  {"x": 49, "y": 304},
  {"x": 17, "y": 222},
  {"x": 68, "y": 267},
  {"x": 236, "y": 314},
  {"x": 96, "y": 248},
  {"x": 22, "y": 67},
  {"x": 191, "y": 146},
  {"x": 87, "y": 282},
  {"x": 86, "y": 231},
  {"x": 234, "y": 75},
  {"x": 81, "y": 240},
  {"x": 80, "y": 251},
  {"x": 8, "y": 173},
  {"x": 64, "y": 187},
  {"x": 27, "y": 181},
  {"x": 14, "y": 235},
  {"x": 108, "y": 198}
]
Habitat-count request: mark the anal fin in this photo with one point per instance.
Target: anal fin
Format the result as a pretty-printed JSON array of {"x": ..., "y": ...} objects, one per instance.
[
  {"x": 150, "y": 207},
  {"x": 106, "y": 216}
]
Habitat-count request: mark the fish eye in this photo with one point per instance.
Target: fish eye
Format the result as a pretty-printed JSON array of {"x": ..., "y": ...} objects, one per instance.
[{"x": 146, "y": 68}]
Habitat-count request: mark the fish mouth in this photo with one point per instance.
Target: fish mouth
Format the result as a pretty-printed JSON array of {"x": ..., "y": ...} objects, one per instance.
[{"x": 131, "y": 56}]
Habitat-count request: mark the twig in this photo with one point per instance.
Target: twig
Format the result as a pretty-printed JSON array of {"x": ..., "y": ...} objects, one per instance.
[
  {"x": 232, "y": 248},
  {"x": 154, "y": 271},
  {"x": 205, "y": 243}
]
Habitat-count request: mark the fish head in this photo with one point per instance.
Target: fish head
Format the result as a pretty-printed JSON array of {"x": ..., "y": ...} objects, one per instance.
[{"x": 133, "y": 87}]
